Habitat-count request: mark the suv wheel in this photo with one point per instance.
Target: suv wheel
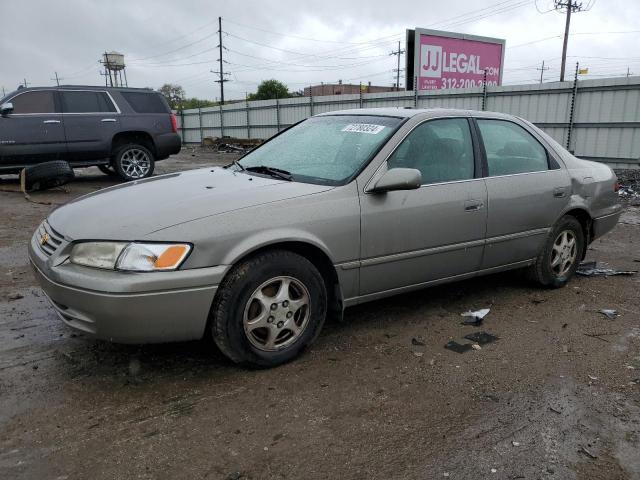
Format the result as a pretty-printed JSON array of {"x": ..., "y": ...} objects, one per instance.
[
  {"x": 133, "y": 162},
  {"x": 561, "y": 254},
  {"x": 269, "y": 309}
]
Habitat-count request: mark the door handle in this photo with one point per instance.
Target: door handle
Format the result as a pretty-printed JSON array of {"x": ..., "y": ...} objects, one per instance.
[
  {"x": 558, "y": 192},
  {"x": 473, "y": 205},
  {"x": 105, "y": 120},
  {"x": 51, "y": 121}
]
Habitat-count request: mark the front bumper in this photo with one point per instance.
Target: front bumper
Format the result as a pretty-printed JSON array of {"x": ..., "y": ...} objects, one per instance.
[{"x": 124, "y": 307}]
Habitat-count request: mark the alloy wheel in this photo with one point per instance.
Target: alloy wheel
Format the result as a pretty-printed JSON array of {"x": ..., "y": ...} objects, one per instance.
[
  {"x": 277, "y": 313},
  {"x": 563, "y": 253},
  {"x": 135, "y": 163}
]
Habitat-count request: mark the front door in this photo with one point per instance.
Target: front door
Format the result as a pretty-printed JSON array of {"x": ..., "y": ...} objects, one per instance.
[
  {"x": 527, "y": 192},
  {"x": 437, "y": 231},
  {"x": 90, "y": 121},
  {"x": 33, "y": 131}
]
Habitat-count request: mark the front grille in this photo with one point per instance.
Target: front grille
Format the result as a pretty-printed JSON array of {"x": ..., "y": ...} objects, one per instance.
[{"x": 48, "y": 239}]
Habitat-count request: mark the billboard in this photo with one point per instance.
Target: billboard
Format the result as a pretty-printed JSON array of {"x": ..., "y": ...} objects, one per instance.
[{"x": 438, "y": 60}]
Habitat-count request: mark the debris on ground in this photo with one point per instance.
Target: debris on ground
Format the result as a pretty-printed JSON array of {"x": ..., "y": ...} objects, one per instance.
[
  {"x": 481, "y": 338},
  {"x": 417, "y": 341},
  {"x": 591, "y": 269},
  {"x": 15, "y": 296},
  {"x": 587, "y": 453},
  {"x": 475, "y": 318},
  {"x": 475, "y": 346},
  {"x": 610, "y": 314},
  {"x": 458, "y": 347}
]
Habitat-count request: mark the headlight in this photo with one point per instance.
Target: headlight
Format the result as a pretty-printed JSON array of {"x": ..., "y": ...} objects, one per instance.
[{"x": 134, "y": 257}]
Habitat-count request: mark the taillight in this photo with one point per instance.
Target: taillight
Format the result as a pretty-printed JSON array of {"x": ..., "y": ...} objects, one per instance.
[{"x": 174, "y": 124}]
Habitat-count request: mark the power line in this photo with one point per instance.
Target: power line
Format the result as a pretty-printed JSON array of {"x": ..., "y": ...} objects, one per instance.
[
  {"x": 221, "y": 80},
  {"x": 542, "y": 70},
  {"x": 398, "y": 53},
  {"x": 570, "y": 6}
]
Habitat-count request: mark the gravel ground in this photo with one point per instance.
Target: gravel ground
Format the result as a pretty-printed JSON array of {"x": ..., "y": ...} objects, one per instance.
[{"x": 377, "y": 397}]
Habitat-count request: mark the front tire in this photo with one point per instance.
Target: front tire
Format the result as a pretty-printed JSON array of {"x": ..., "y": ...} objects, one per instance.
[
  {"x": 133, "y": 161},
  {"x": 268, "y": 309},
  {"x": 561, "y": 254}
]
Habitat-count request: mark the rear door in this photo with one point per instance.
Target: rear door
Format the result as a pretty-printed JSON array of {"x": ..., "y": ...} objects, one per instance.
[
  {"x": 33, "y": 132},
  {"x": 90, "y": 122},
  {"x": 527, "y": 192},
  {"x": 414, "y": 237}
]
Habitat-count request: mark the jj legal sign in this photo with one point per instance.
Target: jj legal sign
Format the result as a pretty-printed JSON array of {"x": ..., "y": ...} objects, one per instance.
[{"x": 452, "y": 60}]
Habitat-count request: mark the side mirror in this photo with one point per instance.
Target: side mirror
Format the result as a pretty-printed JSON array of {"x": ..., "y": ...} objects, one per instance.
[
  {"x": 398, "y": 179},
  {"x": 6, "y": 108}
]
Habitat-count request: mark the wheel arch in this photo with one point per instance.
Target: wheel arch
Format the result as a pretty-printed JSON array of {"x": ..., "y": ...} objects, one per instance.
[
  {"x": 129, "y": 136},
  {"x": 586, "y": 222},
  {"x": 317, "y": 255}
]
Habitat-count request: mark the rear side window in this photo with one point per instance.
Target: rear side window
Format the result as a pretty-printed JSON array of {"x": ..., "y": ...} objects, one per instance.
[
  {"x": 34, "y": 102},
  {"x": 511, "y": 149},
  {"x": 86, "y": 102},
  {"x": 145, "y": 102}
]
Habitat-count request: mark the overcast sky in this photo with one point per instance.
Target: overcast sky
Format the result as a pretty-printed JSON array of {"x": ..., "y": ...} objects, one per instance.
[{"x": 299, "y": 43}]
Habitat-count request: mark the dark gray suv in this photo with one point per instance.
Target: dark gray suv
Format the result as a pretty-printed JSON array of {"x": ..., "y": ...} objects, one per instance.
[{"x": 120, "y": 130}]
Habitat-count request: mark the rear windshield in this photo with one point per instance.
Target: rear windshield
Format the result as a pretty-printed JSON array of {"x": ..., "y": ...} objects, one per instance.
[{"x": 142, "y": 102}]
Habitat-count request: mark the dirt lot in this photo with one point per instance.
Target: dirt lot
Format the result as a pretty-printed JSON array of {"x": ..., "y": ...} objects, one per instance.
[{"x": 378, "y": 397}]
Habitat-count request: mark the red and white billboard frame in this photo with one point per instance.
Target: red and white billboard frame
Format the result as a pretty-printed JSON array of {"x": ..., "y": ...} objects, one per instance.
[{"x": 454, "y": 60}]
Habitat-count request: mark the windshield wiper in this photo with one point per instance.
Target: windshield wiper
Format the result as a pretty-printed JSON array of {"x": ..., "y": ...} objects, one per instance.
[{"x": 272, "y": 171}]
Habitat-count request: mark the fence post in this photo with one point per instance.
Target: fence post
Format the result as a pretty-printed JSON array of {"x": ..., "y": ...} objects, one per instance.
[
  {"x": 278, "y": 113},
  {"x": 415, "y": 92},
  {"x": 200, "y": 124},
  {"x": 484, "y": 90},
  {"x": 310, "y": 103},
  {"x": 184, "y": 140},
  {"x": 360, "y": 92},
  {"x": 221, "y": 122},
  {"x": 572, "y": 108},
  {"x": 248, "y": 122}
]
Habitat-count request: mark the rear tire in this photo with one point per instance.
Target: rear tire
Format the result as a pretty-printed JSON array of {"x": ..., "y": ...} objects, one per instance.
[
  {"x": 48, "y": 175},
  {"x": 268, "y": 309},
  {"x": 133, "y": 161},
  {"x": 560, "y": 255}
]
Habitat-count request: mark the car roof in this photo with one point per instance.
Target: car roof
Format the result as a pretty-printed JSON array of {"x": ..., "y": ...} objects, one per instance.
[
  {"x": 407, "y": 112},
  {"x": 84, "y": 87}
]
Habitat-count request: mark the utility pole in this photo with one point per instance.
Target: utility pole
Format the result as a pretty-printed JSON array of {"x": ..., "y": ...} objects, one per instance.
[
  {"x": 220, "y": 73},
  {"x": 4, "y": 93},
  {"x": 542, "y": 70},
  {"x": 57, "y": 79},
  {"x": 398, "y": 70},
  {"x": 570, "y": 6},
  {"x": 25, "y": 83}
]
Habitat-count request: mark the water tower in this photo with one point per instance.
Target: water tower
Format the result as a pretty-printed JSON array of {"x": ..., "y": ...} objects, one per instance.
[{"x": 114, "y": 69}]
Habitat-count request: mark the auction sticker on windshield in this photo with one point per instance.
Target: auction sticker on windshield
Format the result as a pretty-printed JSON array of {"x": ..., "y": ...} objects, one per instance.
[{"x": 363, "y": 128}]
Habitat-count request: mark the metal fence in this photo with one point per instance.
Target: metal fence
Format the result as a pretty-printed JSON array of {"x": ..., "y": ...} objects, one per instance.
[{"x": 597, "y": 119}]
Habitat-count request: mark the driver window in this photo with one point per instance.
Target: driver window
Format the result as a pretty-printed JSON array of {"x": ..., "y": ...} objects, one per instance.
[{"x": 441, "y": 149}]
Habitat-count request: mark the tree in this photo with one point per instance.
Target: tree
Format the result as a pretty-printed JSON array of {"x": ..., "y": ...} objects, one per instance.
[
  {"x": 270, "y": 89},
  {"x": 173, "y": 93},
  {"x": 197, "y": 103}
]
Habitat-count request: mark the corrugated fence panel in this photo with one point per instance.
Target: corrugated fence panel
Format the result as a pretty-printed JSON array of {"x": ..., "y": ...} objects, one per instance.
[{"x": 606, "y": 116}]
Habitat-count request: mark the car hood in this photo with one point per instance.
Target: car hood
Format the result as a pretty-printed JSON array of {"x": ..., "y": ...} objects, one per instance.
[{"x": 132, "y": 210}]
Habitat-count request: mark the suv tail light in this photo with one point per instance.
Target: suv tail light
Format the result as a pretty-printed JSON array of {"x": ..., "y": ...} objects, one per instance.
[{"x": 174, "y": 123}]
